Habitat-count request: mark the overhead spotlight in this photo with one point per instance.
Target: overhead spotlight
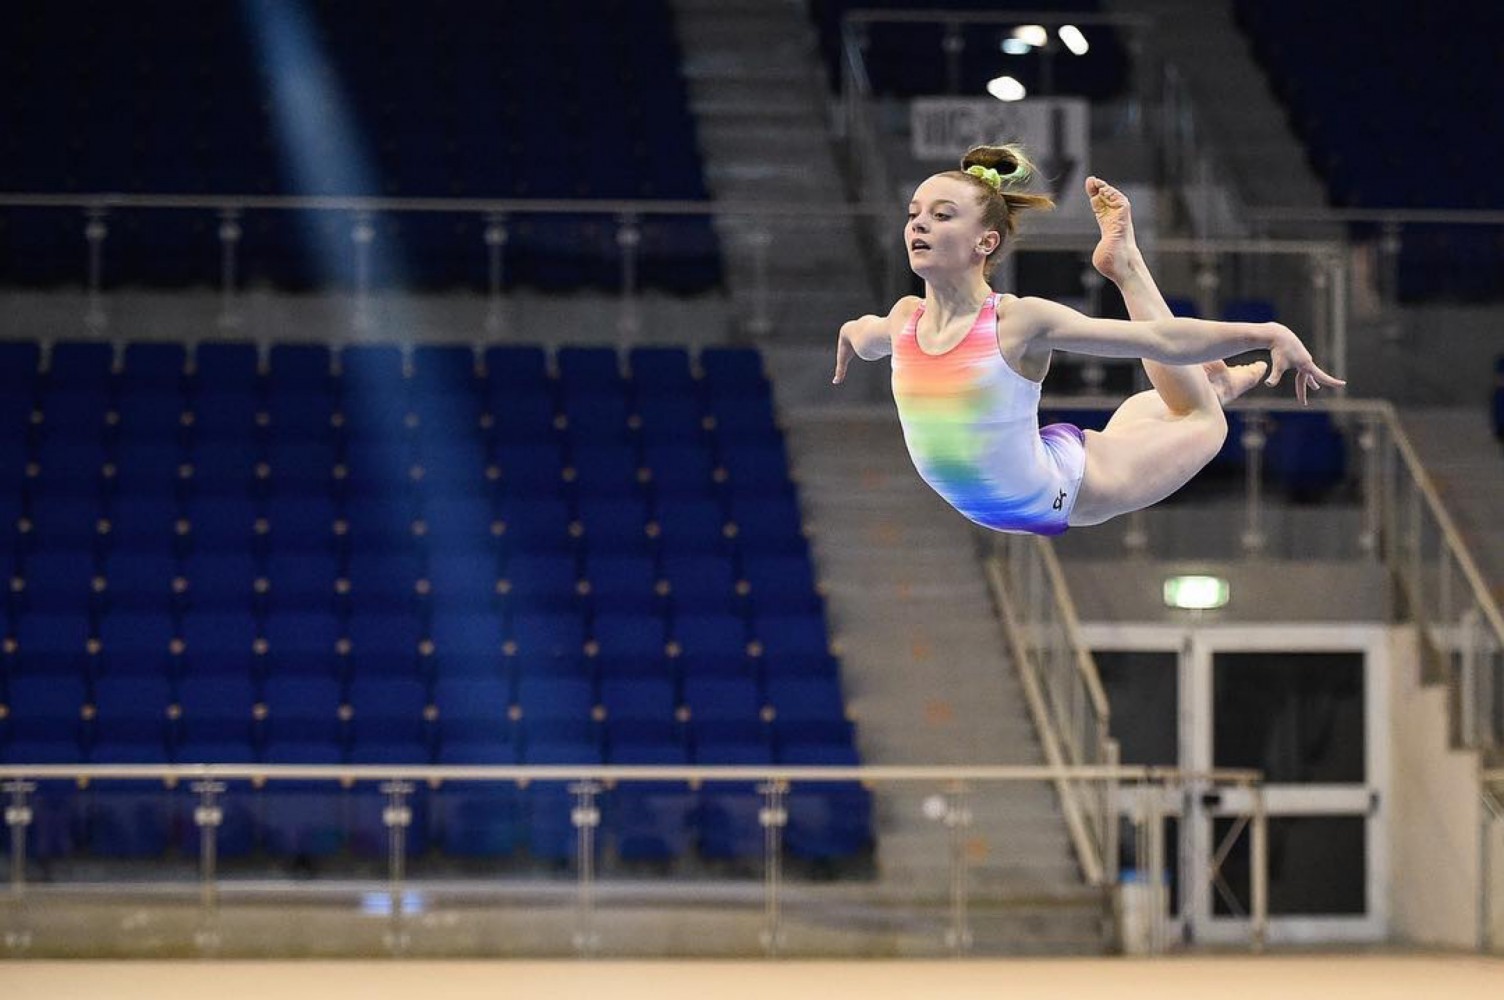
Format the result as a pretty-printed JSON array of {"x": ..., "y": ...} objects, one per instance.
[
  {"x": 1016, "y": 47},
  {"x": 1074, "y": 40},
  {"x": 1032, "y": 34},
  {"x": 1196, "y": 593},
  {"x": 1005, "y": 88}
]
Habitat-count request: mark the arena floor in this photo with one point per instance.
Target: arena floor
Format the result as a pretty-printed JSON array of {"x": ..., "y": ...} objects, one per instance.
[{"x": 1327, "y": 977}]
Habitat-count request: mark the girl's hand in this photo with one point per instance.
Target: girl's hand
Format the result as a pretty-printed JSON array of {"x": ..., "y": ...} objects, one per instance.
[
  {"x": 845, "y": 350},
  {"x": 1287, "y": 353}
]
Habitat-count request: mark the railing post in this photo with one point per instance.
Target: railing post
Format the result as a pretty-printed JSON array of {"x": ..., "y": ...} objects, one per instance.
[
  {"x": 229, "y": 243},
  {"x": 586, "y": 817},
  {"x": 1368, "y": 445},
  {"x": 95, "y": 231},
  {"x": 958, "y": 821},
  {"x": 362, "y": 234},
  {"x": 495, "y": 236},
  {"x": 208, "y": 816},
  {"x": 760, "y": 324},
  {"x": 1390, "y": 243},
  {"x": 1258, "y": 873},
  {"x": 628, "y": 238},
  {"x": 1254, "y": 440},
  {"x": 953, "y": 44},
  {"x": 397, "y": 817},
  {"x": 773, "y": 817},
  {"x": 18, "y": 816}
]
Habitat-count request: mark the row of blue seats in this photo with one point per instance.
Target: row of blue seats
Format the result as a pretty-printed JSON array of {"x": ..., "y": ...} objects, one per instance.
[
  {"x": 639, "y": 822},
  {"x": 387, "y": 640},
  {"x": 240, "y": 367},
  {"x": 127, "y": 111},
  {"x": 366, "y": 576},
  {"x": 1342, "y": 99},
  {"x": 297, "y": 251}
]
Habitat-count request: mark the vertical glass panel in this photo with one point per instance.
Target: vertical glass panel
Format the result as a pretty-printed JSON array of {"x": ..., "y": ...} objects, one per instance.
[
  {"x": 1298, "y": 717},
  {"x": 1143, "y": 689}
]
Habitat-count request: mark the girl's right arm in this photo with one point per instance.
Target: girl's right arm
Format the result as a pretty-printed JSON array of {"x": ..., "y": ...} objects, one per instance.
[{"x": 871, "y": 337}]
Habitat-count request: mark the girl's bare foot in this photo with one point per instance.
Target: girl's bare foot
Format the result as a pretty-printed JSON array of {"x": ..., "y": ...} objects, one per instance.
[
  {"x": 1230, "y": 382},
  {"x": 1115, "y": 218},
  {"x": 1117, "y": 251}
]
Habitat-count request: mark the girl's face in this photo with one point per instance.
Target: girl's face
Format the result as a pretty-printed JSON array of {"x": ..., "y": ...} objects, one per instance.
[{"x": 945, "y": 228}]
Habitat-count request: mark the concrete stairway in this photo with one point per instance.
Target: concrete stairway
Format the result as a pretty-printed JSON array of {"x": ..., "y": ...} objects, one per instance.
[
  {"x": 1235, "y": 108},
  {"x": 759, "y": 96},
  {"x": 1458, "y": 450},
  {"x": 927, "y": 673}
]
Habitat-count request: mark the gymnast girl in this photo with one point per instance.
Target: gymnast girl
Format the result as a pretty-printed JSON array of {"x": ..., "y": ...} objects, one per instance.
[{"x": 968, "y": 362}]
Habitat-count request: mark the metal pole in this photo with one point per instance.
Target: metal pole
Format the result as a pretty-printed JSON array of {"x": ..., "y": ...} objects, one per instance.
[
  {"x": 1338, "y": 285},
  {"x": 586, "y": 817},
  {"x": 628, "y": 238},
  {"x": 495, "y": 235},
  {"x": 208, "y": 816},
  {"x": 18, "y": 816},
  {"x": 1321, "y": 286},
  {"x": 1389, "y": 270},
  {"x": 773, "y": 817},
  {"x": 95, "y": 231},
  {"x": 953, "y": 45},
  {"x": 1258, "y": 876},
  {"x": 1254, "y": 440},
  {"x": 1155, "y": 837},
  {"x": 362, "y": 234},
  {"x": 1368, "y": 444},
  {"x": 397, "y": 817},
  {"x": 760, "y": 324},
  {"x": 958, "y": 820},
  {"x": 229, "y": 242}
]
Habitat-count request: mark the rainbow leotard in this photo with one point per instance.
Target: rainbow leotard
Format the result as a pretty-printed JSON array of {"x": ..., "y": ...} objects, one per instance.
[{"x": 971, "y": 424}]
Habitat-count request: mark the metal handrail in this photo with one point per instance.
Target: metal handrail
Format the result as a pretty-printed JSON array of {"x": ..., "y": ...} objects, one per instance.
[
  {"x": 628, "y": 773},
  {"x": 923, "y": 15},
  {"x": 1397, "y": 216},
  {"x": 1086, "y": 665}
]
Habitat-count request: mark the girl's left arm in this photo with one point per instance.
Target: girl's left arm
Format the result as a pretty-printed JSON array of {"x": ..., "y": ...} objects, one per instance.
[{"x": 1170, "y": 340}]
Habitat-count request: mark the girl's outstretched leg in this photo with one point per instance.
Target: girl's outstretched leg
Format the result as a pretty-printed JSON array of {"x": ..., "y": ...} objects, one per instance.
[{"x": 1158, "y": 440}]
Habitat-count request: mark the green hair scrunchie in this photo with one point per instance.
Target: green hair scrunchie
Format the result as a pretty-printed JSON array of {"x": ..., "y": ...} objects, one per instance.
[{"x": 986, "y": 175}]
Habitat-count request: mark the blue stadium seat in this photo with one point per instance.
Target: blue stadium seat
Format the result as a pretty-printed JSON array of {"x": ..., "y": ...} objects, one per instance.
[
  {"x": 529, "y": 469},
  {"x": 226, "y": 367},
  {"x": 622, "y": 583},
  {"x": 212, "y": 634},
  {"x": 781, "y": 584},
  {"x": 463, "y": 579},
  {"x": 727, "y": 820},
  {"x": 711, "y": 644},
  {"x": 671, "y": 420},
  {"x": 137, "y": 642},
  {"x": 301, "y": 367},
  {"x": 541, "y": 582},
  {"x": 650, "y": 821},
  {"x": 535, "y": 525},
  {"x": 680, "y": 471},
  {"x": 661, "y": 371},
  {"x": 302, "y": 709},
  {"x": 616, "y": 525},
  {"x": 516, "y": 367},
  {"x": 303, "y": 643},
  {"x": 384, "y": 642},
  {"x": 140, "y": 581},
  {"x": 547, "y": 636},
  {"x": 467, "y": 642},
  {"x": 690, "y": 527},
  {"x": 827, "y": 820},
  {"x": 382, "y": 581},
  {"x": 154, "y": 364},
  {"x": 701, "y": 584},
  {"x": 221, "y": 581}
]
